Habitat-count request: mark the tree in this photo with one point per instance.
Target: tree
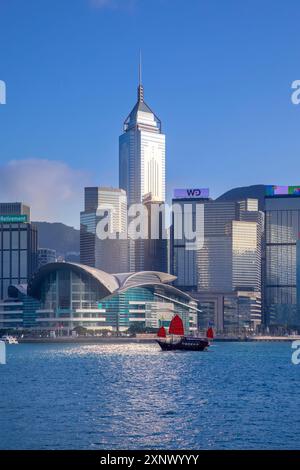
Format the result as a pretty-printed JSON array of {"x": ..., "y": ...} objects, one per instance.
[
  {"x": 136, "y": 328},
  {"x": 80, "y": 330},
  {"x": 139, "y": 327}
]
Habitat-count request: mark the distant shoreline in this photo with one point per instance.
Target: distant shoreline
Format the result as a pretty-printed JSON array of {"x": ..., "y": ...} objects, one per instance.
[{"x": 122, "y": 340}]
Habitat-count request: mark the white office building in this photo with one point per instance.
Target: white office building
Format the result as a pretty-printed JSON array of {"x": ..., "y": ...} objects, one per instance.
[{"x": 142, "y": 154}]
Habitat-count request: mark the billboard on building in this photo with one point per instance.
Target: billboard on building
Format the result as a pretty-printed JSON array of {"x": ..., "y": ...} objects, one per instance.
[
  {"x": 13, "y": 219},
  {"x": 282, "y": 190},
  {"x": 201, "y": 193}
]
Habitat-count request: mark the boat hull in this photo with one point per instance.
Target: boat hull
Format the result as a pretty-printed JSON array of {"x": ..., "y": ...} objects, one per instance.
[{"x": 185, "y": 344}]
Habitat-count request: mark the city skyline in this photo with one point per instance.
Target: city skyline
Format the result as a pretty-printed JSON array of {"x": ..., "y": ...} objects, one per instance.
[
  {"x": 149, "y": 230},
  {"x": 217, "y": 113}
]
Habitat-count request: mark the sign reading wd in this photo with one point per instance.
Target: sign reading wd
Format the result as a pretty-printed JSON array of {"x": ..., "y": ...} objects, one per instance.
[{"x": 202, "y": 193}]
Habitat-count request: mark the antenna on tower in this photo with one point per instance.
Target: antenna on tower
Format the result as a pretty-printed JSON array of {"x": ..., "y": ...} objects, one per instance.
[
  {"x": 140, "y": 87},
  {"x": 140, "y": 69}
]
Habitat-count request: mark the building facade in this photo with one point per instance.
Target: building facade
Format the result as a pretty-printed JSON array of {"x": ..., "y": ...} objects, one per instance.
[
  {"x": 224, "y": 274},
  {"x": 18, "y": 311},
  {"x": 18, "y": 246},
  {"x": 142, "y": 173},
  {"x": 142, "y": 154},
  {"x": 229, "y": 264},
  {"x": 46, "y": 255},
  {"x": 70, "y": 295},
  {"x": 151, "y": 252},
  {"x": 105, "y": 209},
  {"x": 282, "y": 271},
  {"x": 237, "y": 312},
  {"x": 183, "y": 259}
]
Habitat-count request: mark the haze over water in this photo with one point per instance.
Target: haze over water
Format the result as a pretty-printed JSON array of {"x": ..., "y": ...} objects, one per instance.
[{"x": 133, "y": 396}]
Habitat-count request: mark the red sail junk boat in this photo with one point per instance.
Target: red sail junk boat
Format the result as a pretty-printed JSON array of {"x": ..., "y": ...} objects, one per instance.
[
  {"x": 177, "y": 340},
  {"x": 210, "y": 333}
]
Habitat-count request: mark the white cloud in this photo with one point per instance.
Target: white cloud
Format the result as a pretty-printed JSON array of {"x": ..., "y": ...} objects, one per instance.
[{"x": 53, "y": 189}]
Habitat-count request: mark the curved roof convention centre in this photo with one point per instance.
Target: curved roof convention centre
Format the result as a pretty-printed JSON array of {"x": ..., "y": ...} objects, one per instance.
[{"x": 109, "y": 283}]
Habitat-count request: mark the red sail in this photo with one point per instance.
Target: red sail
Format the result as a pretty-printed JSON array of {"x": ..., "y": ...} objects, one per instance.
[
  {"x": 161, "y": 332},
  {"x": 176, "y": 326},
  {"x": 210, "y": 333}
]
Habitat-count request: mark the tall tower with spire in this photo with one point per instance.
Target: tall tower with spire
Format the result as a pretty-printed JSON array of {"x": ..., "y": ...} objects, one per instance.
[{"x": 142, "y": 153}]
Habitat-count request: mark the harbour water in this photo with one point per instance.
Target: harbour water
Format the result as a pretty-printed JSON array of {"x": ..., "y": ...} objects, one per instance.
[{"x": 133, "y": 396}]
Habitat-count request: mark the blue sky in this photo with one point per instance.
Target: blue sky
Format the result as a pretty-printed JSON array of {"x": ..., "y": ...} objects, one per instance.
[{"x": 217, "y": 72}]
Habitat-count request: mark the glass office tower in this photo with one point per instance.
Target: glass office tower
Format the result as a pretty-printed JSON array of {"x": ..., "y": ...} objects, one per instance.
[
  {"x": 151, "y": 253},
  {"x": 282, "y": 208},
  {"x": 224, "y": 275},
  {"x": 230, "y": 259},
  {"x": 18, "y": 246},
  {"x": 142, "y": 154},
  {"x": 183, "y": 261},
  {"x": 142, "y": 168},
  {"x": 230, "y": 256},
  {"x": 110, "y": 255},
  {"x": 229, "y": 265}
]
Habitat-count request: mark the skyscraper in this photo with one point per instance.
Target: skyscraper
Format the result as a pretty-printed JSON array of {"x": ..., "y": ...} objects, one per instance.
[
  {"x": 231, "y": 255},
  {"x": 183, "y": 261},
  {"x": 152, "y": 252},
  {"x": 142, "y": 153},
  {"x": 18, "y": 246},
  {"x": 229, "y": 265},
  {"x": 282, "y": 272},
  {"x": 110, "y": 255},
  {"x": 224, "y": 274}
]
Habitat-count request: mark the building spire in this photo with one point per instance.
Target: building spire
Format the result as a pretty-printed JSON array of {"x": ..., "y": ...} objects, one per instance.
[
  {"x": 140, "y": 69},
  {"x": 140, "y": 87}
]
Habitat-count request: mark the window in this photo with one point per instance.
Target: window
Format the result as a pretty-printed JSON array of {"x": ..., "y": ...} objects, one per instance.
[
  {"x": 23, "y": 240},
  {"x": 6, "y": 240},
  {"x": 23, "y": 263},
  {"x": 15, "y": 239},
  {"x": 6, "y": 264},
  {"x": 64, "y": 289},
  {"x": 15, "y": 263}
]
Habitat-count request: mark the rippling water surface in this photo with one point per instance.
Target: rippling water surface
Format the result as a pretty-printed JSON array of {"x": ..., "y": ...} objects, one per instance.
[{"x": 237, "y": 395}]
